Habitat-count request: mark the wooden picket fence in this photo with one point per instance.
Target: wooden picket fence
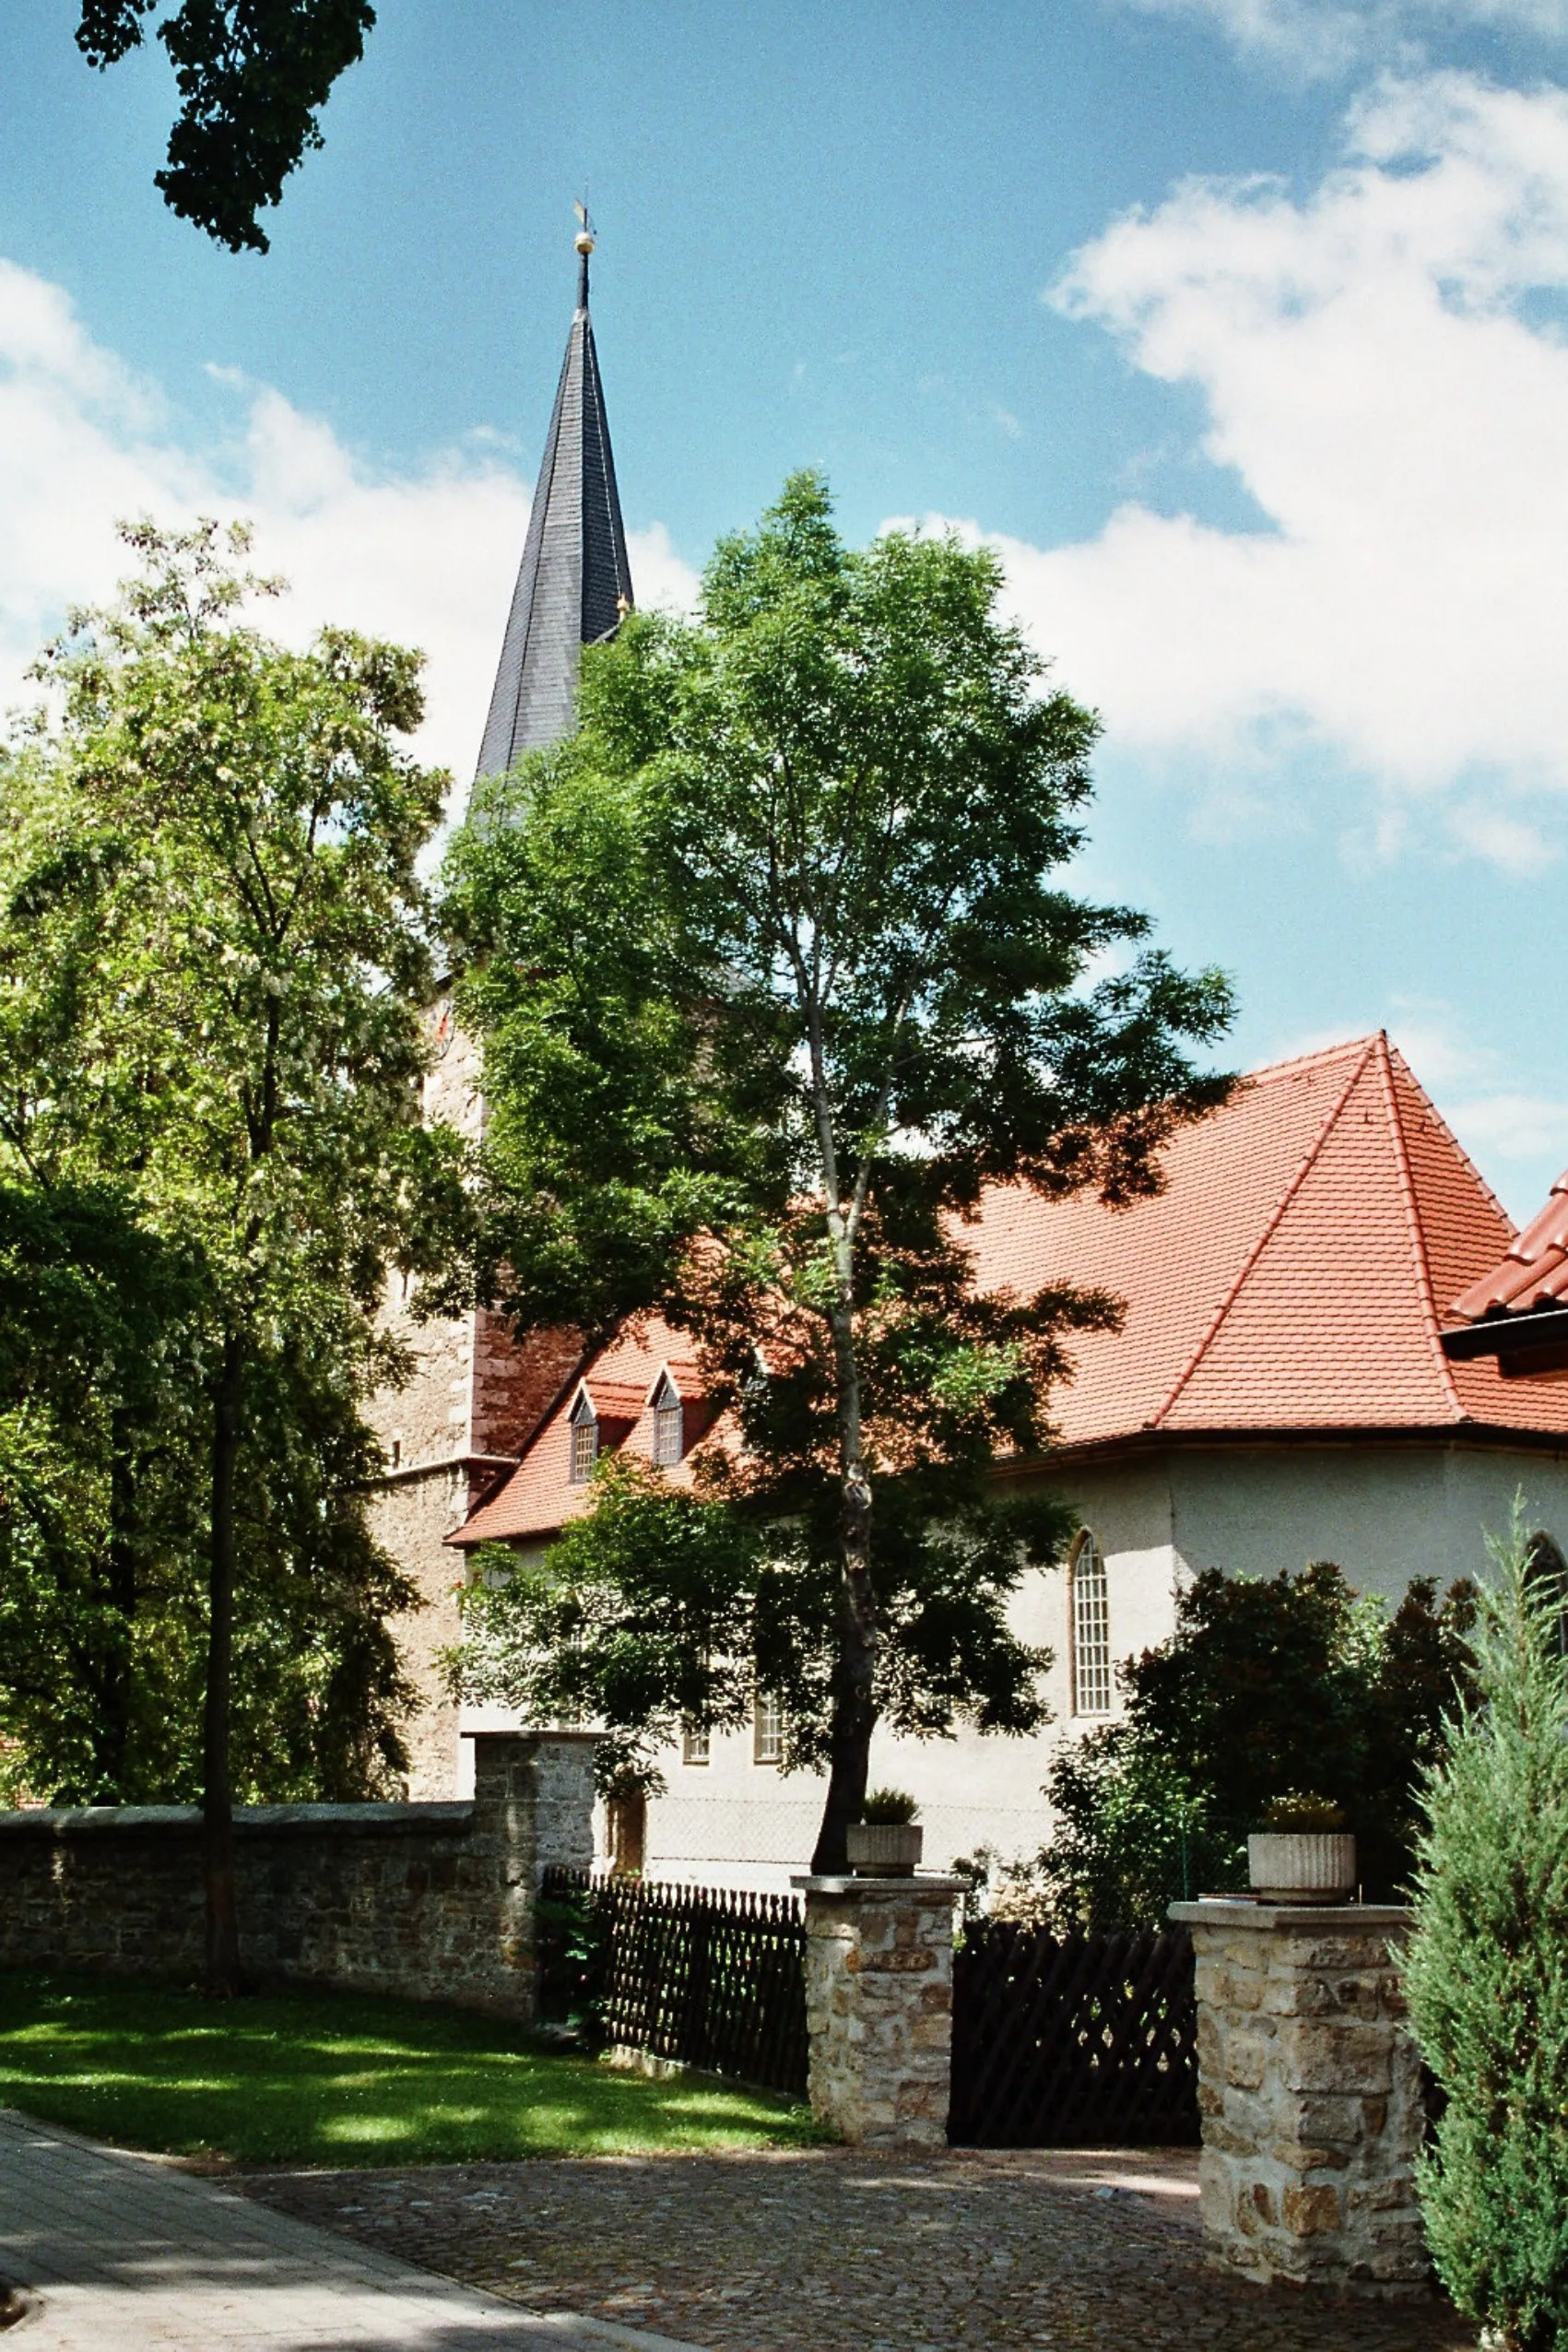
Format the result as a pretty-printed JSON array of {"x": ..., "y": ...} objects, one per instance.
[
  {"x": 709, "y": 1976},
  {"x": 1074, "y": 2040}
]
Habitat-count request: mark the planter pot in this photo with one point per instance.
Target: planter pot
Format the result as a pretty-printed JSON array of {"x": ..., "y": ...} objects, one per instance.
[
  {"x": 1302, "y": 1865},
  {"x": 884, "y": 1849}
]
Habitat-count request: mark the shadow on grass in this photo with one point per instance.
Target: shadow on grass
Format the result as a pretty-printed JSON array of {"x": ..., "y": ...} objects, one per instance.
[{"x": 341, "y": 2079}]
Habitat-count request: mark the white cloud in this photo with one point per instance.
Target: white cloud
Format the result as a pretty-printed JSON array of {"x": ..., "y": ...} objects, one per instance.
[
  {"x": 1383, "y": 367},
  {"x": 427, "y": 558},
  {"x": 1326, "y": 37}
]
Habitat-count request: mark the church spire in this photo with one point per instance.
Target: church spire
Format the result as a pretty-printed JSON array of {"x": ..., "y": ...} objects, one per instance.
[{"x": 575, "y": 582}]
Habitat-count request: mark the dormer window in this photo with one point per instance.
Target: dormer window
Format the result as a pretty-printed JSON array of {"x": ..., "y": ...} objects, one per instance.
[
  {"x": 669, "y": 1422},
  {"x": 584, "y": 1425}
]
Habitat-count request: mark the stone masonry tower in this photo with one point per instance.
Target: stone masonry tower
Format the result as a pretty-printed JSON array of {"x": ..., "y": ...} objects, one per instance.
[{"x": 476, "y": 1396}]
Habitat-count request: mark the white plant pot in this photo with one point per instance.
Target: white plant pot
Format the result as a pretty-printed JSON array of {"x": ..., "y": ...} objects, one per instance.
[
  {"x": 1302, "y": 1865},
  {"x": 884, "y": 1849}
]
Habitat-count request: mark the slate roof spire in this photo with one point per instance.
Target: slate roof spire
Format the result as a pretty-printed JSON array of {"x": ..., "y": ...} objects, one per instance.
[{"x": 575, "y": 584}]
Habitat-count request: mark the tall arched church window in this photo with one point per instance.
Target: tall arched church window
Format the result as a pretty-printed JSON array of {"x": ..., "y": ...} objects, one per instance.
[
  {"x": 1090, "y": 1628},
  {"x": 1549, "y": 1573}
]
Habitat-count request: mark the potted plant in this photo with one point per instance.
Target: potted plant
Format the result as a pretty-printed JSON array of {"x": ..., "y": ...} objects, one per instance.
[
  {"x": 1304, "y": 1855},
  {"x": 886, "y": 1841}
]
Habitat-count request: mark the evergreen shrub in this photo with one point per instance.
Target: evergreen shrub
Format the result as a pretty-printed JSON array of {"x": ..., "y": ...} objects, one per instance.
[{"x": 1487, "y": 1972}]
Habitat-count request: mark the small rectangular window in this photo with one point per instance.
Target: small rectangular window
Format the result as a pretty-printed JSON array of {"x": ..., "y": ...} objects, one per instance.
[
  {"x": 767, "y": 1729},
  {"x": 667, "y": 1431},
  {"x": 696, "y": 1745},
  {"x": 585, "y": 1450}
]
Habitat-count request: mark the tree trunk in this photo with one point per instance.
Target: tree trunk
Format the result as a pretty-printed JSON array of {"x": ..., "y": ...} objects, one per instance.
[
  {"x": 854, "y": 1708},
  {"x": 113, "y": 1742},
  {"x": 223, "y": 1974},
  {"x": 854, "y": 1702}
]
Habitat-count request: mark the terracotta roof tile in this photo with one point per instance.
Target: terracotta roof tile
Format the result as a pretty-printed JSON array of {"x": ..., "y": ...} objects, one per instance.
[
  {"x": 1533, "y": 1272},
  {"x": 1290, "y": 1276},
  {"x": 540, "y": 1495},
  {"x": 1293, "y": 1275}
]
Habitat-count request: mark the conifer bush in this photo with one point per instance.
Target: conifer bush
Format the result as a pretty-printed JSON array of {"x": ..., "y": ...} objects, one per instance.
[{"x": 1487, "y": 1971}]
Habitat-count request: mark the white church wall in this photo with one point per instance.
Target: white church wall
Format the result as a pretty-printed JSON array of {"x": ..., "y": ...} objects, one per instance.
[{"x": 1384, "y": 1513}]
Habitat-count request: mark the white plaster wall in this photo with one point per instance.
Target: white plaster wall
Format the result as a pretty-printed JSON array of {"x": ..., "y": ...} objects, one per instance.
[{"x": 1384, "y": 1513}]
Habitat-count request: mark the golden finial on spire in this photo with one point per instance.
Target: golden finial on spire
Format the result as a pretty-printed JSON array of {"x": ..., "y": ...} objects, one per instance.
[{"x": 585, "y": 239}]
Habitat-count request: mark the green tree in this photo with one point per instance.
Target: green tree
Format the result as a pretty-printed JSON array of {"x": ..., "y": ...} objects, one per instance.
[
  {"x": 253, "y": 77},
  {"x": 1487, "y": 1974},
  {"x": 776, "y": 971},
  {"x": 216, "y": 942}
]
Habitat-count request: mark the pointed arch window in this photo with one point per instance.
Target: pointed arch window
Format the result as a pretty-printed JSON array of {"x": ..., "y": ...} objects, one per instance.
[
  {"x": 1090, "y": 1628},
  {"x": 669, "y": 1422},
  {"x": 585, "y": 1426}
]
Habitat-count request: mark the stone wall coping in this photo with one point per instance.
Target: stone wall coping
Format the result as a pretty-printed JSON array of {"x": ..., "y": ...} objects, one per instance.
[
  {"x": 539, "y": 1732},
  {"x": 877, "y": 1890},
  {"x": 250, "y": 1821},
  {"x": 1231, "y": 1911}
]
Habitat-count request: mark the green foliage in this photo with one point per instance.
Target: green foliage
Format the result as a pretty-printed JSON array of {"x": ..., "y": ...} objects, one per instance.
[
  {"x": 1487, "y": 1971},
  {"x": 661, "y": 1608},
  {"x": 336, "y": 2079},
  {"x": 252, "y": 76},
  {"x": 889, "y": 1808},
  {"x": 214, "y": 951},
  {"x": 1267, "y": 1687},
  {"x": 775, "y": 974},
  {"x": 1298, "y": 1809}
]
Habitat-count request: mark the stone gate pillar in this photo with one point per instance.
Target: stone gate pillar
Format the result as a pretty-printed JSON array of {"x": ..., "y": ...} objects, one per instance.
[
  {"x": 1310, "y": 2092},
  {"x": 533, "y": 1806},
  {"x": 879, "y": 2007}
]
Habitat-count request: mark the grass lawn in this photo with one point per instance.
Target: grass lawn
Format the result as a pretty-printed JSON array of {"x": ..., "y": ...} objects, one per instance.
[{"x": 341, "y": 2079}]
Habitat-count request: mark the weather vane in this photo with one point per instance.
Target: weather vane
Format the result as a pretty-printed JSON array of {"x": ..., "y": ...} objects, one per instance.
[{"x": 586, "y": 233}]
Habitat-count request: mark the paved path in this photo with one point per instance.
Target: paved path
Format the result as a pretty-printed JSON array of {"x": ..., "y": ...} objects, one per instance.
[
  {"x": 827, "y": 2249},
  {"x": 124, "y": 2252}
]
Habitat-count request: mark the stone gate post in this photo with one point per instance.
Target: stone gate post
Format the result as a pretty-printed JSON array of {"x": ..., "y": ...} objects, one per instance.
[
  {"x": 879, "y": 2007},
  {"x": 1310, "y": 2093},
  {"x": 533, "y": 1806}
]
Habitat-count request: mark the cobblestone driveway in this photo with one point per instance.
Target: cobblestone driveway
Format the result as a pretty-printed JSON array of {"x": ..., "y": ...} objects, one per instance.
[{"x": 824, "y": 2250}]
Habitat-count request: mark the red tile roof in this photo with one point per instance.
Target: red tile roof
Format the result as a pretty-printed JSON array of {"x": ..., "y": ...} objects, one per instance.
[
  {"x": 540, "y": 1495},
  {"x": 1293, "y": 1275},
  {"x": 1533, "y": 1273}
]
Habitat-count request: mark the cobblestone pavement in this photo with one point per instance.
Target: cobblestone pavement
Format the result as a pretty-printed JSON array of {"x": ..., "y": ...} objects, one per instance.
[
  {"x": 829, "y": 2250},
  {"x": 126, "y": 2255}
]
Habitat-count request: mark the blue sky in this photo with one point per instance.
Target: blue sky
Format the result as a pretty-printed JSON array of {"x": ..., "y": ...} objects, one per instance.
[{"x": 1236, "y": 324}]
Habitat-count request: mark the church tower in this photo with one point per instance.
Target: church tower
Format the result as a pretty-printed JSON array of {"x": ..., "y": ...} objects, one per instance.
[{"x": 477, "y": 1396}]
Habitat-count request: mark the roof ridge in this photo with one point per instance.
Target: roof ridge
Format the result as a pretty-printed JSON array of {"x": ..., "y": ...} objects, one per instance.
[
  {"x": 1417, "y": 1231},
  {"x": 1269, "y": 1227},
  {"x": 1395, "y": 1055},
  {"x": 1362, "y": 1045}
]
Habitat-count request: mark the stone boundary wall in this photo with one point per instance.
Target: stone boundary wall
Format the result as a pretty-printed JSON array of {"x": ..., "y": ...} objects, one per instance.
[{"x": 433, "y": 1901}]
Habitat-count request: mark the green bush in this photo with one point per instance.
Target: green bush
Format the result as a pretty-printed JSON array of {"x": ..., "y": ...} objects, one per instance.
[
  {"x": 1268, "y": 1686},
  {"x": 1487, "y": 1972}
]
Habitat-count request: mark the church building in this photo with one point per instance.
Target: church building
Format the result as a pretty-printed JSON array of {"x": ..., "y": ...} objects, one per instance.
[{"x": 1279, "y": 1390}]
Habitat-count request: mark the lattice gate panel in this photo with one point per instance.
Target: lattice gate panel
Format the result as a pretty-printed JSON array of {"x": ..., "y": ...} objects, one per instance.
[{"x": 1075, "y": 2040}]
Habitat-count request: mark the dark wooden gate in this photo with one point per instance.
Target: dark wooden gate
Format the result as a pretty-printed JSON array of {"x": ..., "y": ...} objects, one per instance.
[
  {"x": 713, "y": 1978},
  {"x": 1073, "y": 2041}
]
